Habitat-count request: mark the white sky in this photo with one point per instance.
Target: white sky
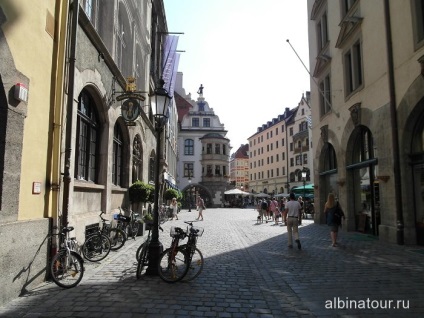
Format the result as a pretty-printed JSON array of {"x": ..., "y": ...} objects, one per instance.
[{"x": 237, "y": 49}]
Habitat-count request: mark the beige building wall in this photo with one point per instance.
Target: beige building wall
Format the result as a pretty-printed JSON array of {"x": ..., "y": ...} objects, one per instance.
[
  {"x": 273, "y": 150},
  {"x": 381, "y": 114}
]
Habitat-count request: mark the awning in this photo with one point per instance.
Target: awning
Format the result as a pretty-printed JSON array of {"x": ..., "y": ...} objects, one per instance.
[{"x": 171, "y": 185}]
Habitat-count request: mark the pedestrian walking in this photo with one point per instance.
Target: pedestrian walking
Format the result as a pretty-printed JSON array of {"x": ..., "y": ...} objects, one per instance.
[
  {"x": 260, "y": 211},
  {"x": 293, "y": 210},
  {"x": 333, "y": 214},
  {"x": 200, "y": 207},
  {"x": 174, "y": 207},
  {"x": 274, "y": 210},
  {"x": 302, "y": 210}
]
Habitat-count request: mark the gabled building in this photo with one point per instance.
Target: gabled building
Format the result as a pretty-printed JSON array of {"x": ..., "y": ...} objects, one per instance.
[
  {"x": 367, "y": 58},
  {"x": 239, "y": 168},
  {"x": 204, "y": 150}
]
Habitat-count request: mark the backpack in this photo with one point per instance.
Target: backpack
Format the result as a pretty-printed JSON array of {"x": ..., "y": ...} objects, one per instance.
[{"x": 264, "y": 205}]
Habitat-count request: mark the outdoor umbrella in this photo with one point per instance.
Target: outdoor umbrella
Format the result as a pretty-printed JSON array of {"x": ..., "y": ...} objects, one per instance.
[
  {"x": 262, "y": 195},
  {"x": 236, "y": 191},
  {"x": 280, "y": 195}
]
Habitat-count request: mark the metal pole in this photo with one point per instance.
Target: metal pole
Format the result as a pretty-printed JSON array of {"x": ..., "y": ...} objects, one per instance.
[{"x": 155, "y": 247}]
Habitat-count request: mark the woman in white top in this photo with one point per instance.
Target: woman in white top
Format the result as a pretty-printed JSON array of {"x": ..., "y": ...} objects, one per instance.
[{"x": 174, "y": 207}]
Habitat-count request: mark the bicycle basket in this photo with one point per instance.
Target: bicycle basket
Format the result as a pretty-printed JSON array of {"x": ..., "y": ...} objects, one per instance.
[
  {"x": 198, "y": 231},
  {"x": 176, "y": 231},
  {"x": 122, "y": 218}
]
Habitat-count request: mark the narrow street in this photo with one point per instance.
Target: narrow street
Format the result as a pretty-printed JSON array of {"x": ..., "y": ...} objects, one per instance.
[{"x": 248, "y": 272}]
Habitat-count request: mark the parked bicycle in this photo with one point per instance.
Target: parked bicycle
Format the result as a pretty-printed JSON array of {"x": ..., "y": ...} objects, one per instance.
[
  {"x": 163, "y": 214},
  {"x": 181, "y": 261},
  {"x": 67, "y": 266},
  {"x": 129, "y": 224},
  {"x": 142, "y": 254},
  {"x": 117, "y": 236},
  {"x": 96, "y": 246}
]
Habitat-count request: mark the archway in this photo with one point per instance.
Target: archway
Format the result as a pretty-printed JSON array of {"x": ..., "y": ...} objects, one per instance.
[{"x": 191, "y": 193}]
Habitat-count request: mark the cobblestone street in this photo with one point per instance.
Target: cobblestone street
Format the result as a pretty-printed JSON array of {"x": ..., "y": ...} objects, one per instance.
[{"x": 248, "y": 272}]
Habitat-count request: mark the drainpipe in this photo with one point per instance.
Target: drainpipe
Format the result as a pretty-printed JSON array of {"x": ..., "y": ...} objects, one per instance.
[
  {"x": 69, "y": 112},
  {"x": 394, "y": 125}
]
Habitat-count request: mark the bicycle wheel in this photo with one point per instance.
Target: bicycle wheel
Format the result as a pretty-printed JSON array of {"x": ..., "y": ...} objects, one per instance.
[
  {"x": 133, "y": 228},
  {"x": 67, "y": 269},
  {"x": 117, "y": 239},
  {"x": 140, "y": 248},
  {"x": 143, "y": 259},
  {"x": 96, "y": 247},
  {"x": 195, "y": 266},
  {"x": 172, "y": 268}
]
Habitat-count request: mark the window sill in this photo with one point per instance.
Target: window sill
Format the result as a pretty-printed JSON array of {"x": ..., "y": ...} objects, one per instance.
[{"x": 88, "y": 185}]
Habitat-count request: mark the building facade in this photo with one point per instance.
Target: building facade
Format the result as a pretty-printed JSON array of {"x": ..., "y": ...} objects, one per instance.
[
  {"x": 204, "y": 151},
  {"x": 367, "y": 61},
  {"x": 72, "y": 144},
  {"x": 280, "y": 151},
  {"x": 239, "y": 168}
]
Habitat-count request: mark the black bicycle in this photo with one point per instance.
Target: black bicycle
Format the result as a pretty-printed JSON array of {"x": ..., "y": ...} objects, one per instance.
[
  {"x": 181, "y": 261},
  {"x": 116, "y": 236},
  {"x": 129, "y": 224},
  {"x": 96, "y": 246},
  {"x": 67, "y": 266},
  {"x": 142, "y": 254}
]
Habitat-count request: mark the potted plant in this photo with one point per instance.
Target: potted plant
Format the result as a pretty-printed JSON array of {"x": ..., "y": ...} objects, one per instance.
[{"x": 139, "y": 192}]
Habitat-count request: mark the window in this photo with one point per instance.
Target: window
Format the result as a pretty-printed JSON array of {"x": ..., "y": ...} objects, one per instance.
[
  {"x": 353, "y": 68},
  {"x": 291, "y": 146},
  {"x": 217, "y": 149},
  {"x": 117, "y": 161},
  {"x": 346, "y": 5},
  {"x": 418, "y": 21},
  {"x": 206, "y": 122},
  {"x": 209, "y": 149},
  {"x": 291, "y": 162},
  {"x": 152, "y": 168},
  {"x": 89, "y": 7},
  {"x": 137, "y": 173},
  {"x": 201, "y": 106},
  {"x": 305, "y": 158},
  {"x": 224, "y": 150},
  {"x": 217, "y": 170},
  {"x": 86, "y": 153},
  {"x": 322, "y": 32},
  {"x": 325, "y": 95},
  {"x": 291, "y": 131},
  {"x": 209, "y": 170},
  {"x": 188, "y": 169},
  {"x": 195, "y": 122},
  {"x": 189, "y": 147}
]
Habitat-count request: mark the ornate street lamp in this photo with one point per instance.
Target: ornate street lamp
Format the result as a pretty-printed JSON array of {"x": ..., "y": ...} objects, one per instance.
[
  {"x": 159, "y": 102},
  {"x": 189, "y": 194}
]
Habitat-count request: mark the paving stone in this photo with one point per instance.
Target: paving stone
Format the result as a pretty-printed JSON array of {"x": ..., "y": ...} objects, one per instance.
[{"x": 248, "y": 272}]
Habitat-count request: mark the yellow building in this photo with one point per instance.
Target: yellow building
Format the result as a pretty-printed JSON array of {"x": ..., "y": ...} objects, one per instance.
[
  {"x": 31, "y": 72},
  {"x": 69, "y": 148}
]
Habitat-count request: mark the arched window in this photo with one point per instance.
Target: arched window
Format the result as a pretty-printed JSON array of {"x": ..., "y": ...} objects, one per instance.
[
  {"x": 152, "y": 167},
  {"x": 87, "y": 140},
  {"x": 117, "y": 164},
  {"x": 137, "y": 173},
  {"x": 189, "y": 147}
]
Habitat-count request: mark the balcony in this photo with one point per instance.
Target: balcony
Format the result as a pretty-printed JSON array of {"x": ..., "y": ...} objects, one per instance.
[
  {"x": 215, "y": 178},
  {"x": 302, "y": 149}
]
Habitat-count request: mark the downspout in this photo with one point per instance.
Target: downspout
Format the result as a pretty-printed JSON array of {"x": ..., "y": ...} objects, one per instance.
[
  {"x": 394, "y": 125},
  {"x": 69, "y": 112}
]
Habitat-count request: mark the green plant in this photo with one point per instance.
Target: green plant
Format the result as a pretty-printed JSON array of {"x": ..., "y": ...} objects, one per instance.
[
  {"x": 172, "y": 193},
  {"x": 139, "y": 192},
  {"x": 148, "y": 218}
]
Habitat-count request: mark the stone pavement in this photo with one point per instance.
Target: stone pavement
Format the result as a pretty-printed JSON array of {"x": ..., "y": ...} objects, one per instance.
[{"x": 248, "y": 272}]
